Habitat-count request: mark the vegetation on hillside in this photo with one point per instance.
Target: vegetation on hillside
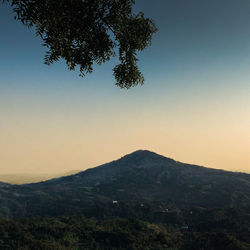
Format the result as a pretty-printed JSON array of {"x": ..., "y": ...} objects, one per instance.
[
  {"x": 81, "y": 233},
  {"x": 142, "y": 201}
]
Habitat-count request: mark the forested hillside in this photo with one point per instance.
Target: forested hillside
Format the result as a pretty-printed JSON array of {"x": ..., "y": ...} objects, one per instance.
[{"x": 141, "y": 201}]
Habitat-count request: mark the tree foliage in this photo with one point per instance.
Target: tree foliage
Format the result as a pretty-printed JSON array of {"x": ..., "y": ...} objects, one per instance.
[{"x": 84, "y": 32}]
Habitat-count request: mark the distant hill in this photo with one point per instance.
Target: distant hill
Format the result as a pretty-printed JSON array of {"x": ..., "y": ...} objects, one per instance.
[
  {"x": 142, "y": 184},
  {"x": 3, "y": 184},
  {"x": 31, "y": 178}
]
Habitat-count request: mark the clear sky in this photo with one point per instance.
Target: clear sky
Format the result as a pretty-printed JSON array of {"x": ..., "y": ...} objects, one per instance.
[{"x": 194, "y": 106}]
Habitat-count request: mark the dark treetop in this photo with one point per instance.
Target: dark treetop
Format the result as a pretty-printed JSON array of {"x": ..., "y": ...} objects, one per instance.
[{"x": 84, "y": 32}]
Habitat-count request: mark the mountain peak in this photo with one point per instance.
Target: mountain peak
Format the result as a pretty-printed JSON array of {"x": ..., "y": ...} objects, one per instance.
[
  {"x": 141, "y": 157},
  {"x": 141, "y": 152}
]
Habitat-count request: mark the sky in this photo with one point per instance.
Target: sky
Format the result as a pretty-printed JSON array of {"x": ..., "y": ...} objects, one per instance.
[{"x": 194, "y": 106}]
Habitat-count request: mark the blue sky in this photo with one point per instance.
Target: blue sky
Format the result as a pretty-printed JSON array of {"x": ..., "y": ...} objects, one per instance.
[{"x": 196, "y": 94}]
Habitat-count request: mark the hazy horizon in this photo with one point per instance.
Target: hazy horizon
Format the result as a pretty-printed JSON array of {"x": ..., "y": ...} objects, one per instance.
[
  {"x": 73, "y": 171},
  {"x": 26, "y": 178},
  {"x": 194, "y": 106}
]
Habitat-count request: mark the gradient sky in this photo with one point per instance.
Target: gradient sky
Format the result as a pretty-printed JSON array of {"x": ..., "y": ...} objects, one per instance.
[{"x": 194, "y": 106}]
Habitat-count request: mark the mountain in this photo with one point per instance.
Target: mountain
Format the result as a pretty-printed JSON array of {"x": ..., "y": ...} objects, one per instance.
[
  {"x": 183, "y": 207},
  {"x": 141, "y": 184}
]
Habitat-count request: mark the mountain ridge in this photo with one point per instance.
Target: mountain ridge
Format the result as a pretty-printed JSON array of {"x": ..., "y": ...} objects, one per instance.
[
  {"x": 199, "y": 207},
  {"x": 141, "y": 177},
  {"x": 137, "y": 153}
]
